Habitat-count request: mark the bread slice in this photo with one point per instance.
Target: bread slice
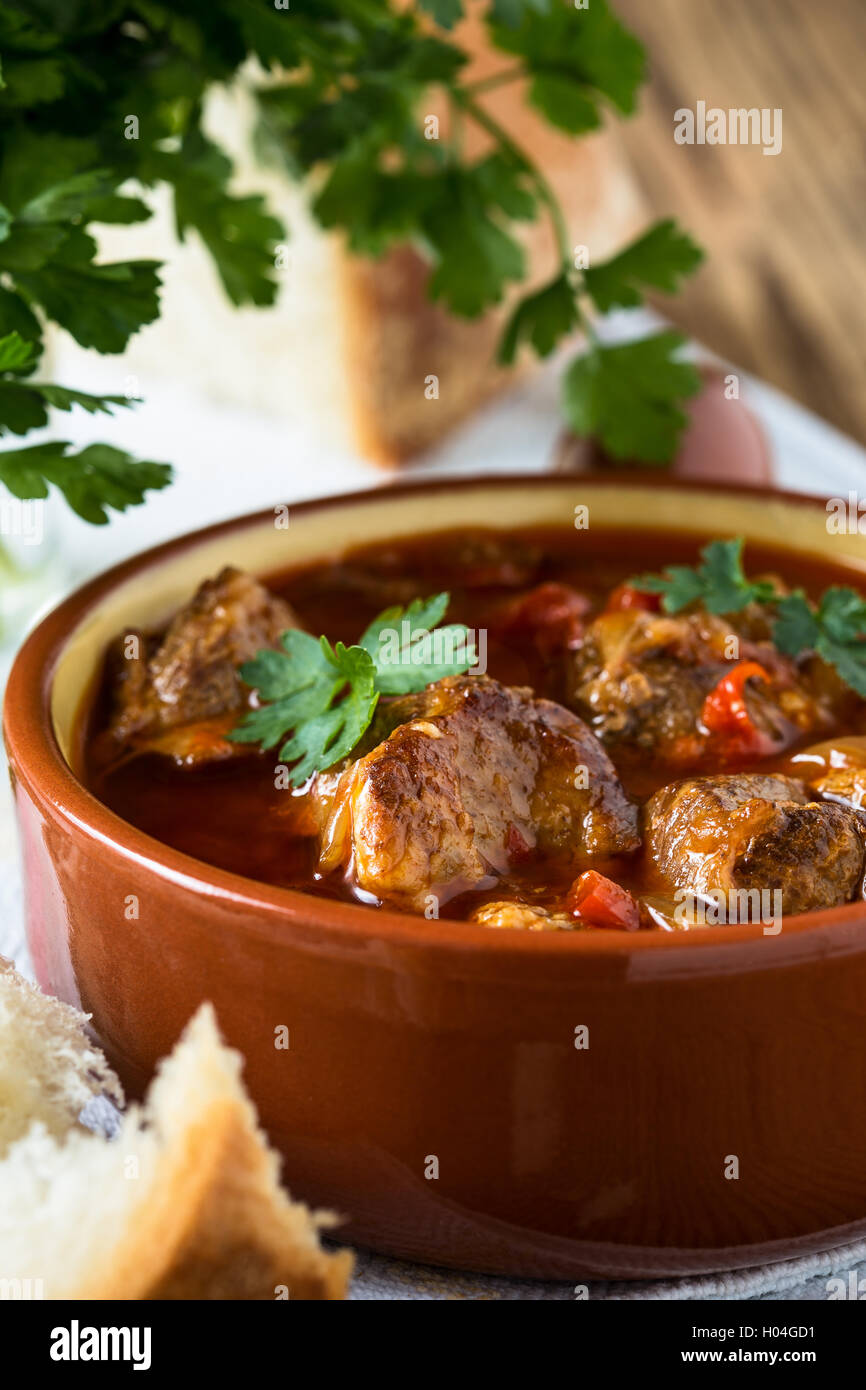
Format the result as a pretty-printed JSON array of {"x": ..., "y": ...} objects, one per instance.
[
  {"x": 185, "y": 1203},
  {"x": 49, "y": 1068},
  {"x": 395, "y": 338}
]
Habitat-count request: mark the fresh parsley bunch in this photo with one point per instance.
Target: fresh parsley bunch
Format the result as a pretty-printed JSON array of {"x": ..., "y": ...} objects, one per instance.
[
  {"x": 835, "y": 628},
  {"x": 320, "y": 698},
  {"x": 101, "y": 101}
]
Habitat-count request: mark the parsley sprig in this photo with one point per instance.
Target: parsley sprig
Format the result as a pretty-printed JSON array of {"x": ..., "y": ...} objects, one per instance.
[
  {"x": 351, "y": 118},
  {"x": 319, "y": 698},
  {"x": 834, "y": 628},
  {"x": 718, "y": 582}
]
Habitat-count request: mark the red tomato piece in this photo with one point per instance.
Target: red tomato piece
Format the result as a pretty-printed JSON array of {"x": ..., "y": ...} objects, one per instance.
[
  {"x": 599, "y": 902},
  {"x": 551, "y": 615},
  {"x": 624, "y": 597}
]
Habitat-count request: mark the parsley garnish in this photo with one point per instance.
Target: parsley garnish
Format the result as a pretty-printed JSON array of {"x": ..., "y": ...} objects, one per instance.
[
  {"x": 319, "y": 699},
  {"x": 718, "y": 582},
  {"x": 834, "y": 629}
]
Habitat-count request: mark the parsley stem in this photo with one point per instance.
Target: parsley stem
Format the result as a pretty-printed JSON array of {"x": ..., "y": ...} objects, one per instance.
[
  {"x": 456, "y": 125},
  {"x": 496, "y": 79},
  {"x": 463, "y": 96}
]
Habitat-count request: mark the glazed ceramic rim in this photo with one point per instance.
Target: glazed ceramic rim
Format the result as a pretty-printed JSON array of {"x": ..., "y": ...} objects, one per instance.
[{"x": 32, "y": 743}]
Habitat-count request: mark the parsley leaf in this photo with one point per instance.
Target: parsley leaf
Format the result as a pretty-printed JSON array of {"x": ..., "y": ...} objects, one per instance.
[
  {"x": 445, "y": 12},
  {"x": 24, "y": 404},
  {"x": 302, "y": 684},
  {"x": 541, "y": 319},
  {"x": 797, "y": 627},
  {"x": 100, "y": 305},
  {"x": 504, "y": 182},
  {"x": 577, "y": 59},
  {"x": 421, "y": 615},
  {"x": 319, "y": 699},
  {"x": 659, "y": 259},
  {"x": 474, "y": 256},
  {"x": 718, "y": 582},
  {"x": 17, "y": 317},
  {"x": 239, "y": 233},
  {"x": 375, "y": 205},
  {"x": 628, "y": 396},
  {"x": 836, "y": 630},
  {"x": 354, "y": 107},
  {"x": 410, "y": 650},
  {"x": 93, "y": 481},
  {"x": 15, "y": 353}
]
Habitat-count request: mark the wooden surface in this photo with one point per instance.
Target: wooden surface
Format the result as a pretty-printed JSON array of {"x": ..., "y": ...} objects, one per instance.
[{"x": 783, "y": 291}]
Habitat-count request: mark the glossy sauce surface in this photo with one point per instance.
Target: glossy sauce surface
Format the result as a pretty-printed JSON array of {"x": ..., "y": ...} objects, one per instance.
[{"x": 232, "y": 814}]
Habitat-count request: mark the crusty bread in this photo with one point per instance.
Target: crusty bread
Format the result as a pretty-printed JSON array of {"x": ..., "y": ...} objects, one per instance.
[
  {"x": 184, "y": 1202},
  {"x": 49, "y": 1068}
]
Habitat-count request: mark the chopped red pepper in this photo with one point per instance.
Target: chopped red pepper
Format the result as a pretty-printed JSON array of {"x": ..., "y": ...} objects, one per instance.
[
  {"x": 551, "y": 615},
  {"x": 624, "y": 597},
  {"x": 599, "y": 902},
  {"x": 726, "y": 713}
]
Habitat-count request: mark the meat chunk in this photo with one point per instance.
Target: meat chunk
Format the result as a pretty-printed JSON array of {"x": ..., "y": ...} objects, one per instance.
[
  {"x": 836, "y": 770},
  {"x": 844, "y": 784},
  {"x": 755, "y": 831},
  {"x": 473, "y": 778},
  {"x": 179, "y": 694},
  {"x": 642, "y": 679}
]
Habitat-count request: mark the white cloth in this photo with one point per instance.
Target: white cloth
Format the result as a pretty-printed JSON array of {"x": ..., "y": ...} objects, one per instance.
[{"x": 213, "y": 447}]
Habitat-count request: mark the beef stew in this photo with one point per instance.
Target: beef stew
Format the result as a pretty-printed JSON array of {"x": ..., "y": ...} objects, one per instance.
[{"x": 604, "y": 762}]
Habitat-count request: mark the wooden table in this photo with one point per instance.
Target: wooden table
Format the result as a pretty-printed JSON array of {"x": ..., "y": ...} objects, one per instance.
[{"x": 783, "y": 291}]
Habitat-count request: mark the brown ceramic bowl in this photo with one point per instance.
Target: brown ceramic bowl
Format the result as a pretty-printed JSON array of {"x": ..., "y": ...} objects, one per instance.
[{"x": 411, "y": 1038}]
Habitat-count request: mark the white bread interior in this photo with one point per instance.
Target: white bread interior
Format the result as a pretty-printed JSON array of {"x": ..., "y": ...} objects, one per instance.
[
  {"x": 185, "y": 1202},
  {"x": 49, "y": 1068}
]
